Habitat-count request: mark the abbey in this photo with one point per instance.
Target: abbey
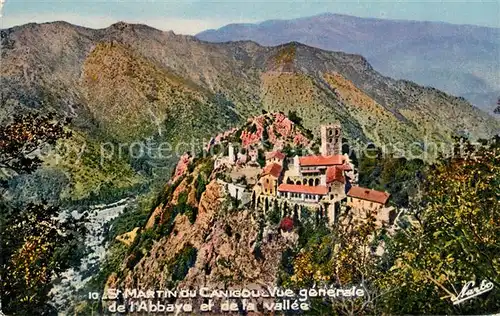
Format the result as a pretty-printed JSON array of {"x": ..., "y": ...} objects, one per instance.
[{"x": 324, "y": 182}]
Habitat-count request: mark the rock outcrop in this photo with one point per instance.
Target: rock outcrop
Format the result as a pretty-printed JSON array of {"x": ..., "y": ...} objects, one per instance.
[{"x": 232, "y": 250}]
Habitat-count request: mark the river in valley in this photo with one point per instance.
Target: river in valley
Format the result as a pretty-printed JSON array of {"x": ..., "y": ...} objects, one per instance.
[{"x": 72, "y": 280}]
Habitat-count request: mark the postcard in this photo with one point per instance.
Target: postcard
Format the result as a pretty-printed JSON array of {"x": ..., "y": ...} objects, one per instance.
[{"x": 249, "y": 157}]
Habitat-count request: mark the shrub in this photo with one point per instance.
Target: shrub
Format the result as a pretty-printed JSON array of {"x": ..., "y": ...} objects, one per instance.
[
  {"x": 292, "y": 115},
  {"x": 201, "y": 185},
  {"x": 242, "y": 180},
  {"x": 261, "y": 159},
  {"x": 253, "y": 128},
  {"x": 286, "y": 224},
  {"x": 207, "y": 167},
  {"x": 265, "y": 139},
  {"x": 191, "y": 213},
  {"x": 191, "y": 167},
  {"x": 182, "y": 262},
  {"x": 274, "y": 215},
  {"x": 133, "y": 259}
]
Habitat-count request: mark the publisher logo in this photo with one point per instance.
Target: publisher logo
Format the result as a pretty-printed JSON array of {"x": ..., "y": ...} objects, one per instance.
[{"x": 470, "y": 291}]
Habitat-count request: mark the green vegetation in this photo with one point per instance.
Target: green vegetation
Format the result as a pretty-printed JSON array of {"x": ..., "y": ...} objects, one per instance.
[
  {"x": 265, "y": 139},
  {"x": 274, "y": 214},
  {"x": 182, "y": 207},
  {"x": 115, "y": 255},
  {"x": 292, "y": 115},
  {"x": 93, "y": 176},
  {"x": 164, "y": 225},
  {"x": 454, "y": 240},
  {"x": 257, "y": 251},
  {"x": 182, "y": 262},
  {"x": 136, "y": 216},
  {"x": 200, "y": 186},
  {"x": 285, "y": 55},
  {"x": 205, "y": 170},
  {"x": 449, "y": 237},
  {"x": 261, "y": 158},
  {"x": 35, "y": 245},
  {"x": 242, "y": 180},
  {"x": 178, "y": 109},
  {"x": 130, "y": 96},
  {"x": 132, "y": 216},
  {"x": 252, "y": 128},
  {"x": 398, "y": 176}
]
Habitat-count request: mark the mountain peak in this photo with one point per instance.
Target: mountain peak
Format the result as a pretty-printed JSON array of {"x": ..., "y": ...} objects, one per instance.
[{"x": 121, "y": 25}]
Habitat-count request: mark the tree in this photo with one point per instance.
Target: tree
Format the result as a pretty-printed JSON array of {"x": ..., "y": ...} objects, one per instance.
[
  {"x": 201, "y": 185},
  {"x": 261, "y": 159},
  {"x": 35, "y": 246},
  {"x": 265, "y": 139},
  {"x": 36, "y": 243},
  {"x": 497, "y": 109},
  {"x": 23, "y": 137},
  {"x": 294, "y": 117},
  {"x": 453, "y": 239},
  {"x": 449, "y": 237},
  {"x": 274, "y": 214},
  {"x": 398, "y": 176},
  {"x": 339, "y": 258}
]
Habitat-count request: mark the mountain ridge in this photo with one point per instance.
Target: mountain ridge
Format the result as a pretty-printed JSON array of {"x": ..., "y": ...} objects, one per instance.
[
  {"x": 132, "y": 83},
  {"x": 416, "y": 50},
  {"x": 332, "y": 14}
]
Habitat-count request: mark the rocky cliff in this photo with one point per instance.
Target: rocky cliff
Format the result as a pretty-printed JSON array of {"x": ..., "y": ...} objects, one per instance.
[{"x": 223, "y": 247}]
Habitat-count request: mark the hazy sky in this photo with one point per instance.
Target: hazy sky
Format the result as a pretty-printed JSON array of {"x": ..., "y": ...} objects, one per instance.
[{"x": 190, "y": 17}]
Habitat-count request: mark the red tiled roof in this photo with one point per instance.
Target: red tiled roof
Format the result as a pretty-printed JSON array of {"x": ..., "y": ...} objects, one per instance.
[
  {"x": 272, "y": 169},
  {"x": 321, "y": 160},
  {"x": 335, "y": 174},
  {"x": 275, "y": 154},
  {"x": 297, "y": 188},
  {"x": 345, "y": 167},
  {"x": 369, "y": 195}
]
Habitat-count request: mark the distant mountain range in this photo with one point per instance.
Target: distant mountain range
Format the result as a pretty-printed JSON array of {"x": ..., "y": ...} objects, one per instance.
[
  {"x": 463, "y": 60},
  {"x": 130, "y": 83}
]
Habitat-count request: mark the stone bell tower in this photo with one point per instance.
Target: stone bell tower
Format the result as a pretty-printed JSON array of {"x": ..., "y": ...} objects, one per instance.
[{"x": 331, "y": 140}]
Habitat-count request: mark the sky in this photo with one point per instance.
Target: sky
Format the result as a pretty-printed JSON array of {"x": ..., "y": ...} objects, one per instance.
[{"x": 191, "y": 17}]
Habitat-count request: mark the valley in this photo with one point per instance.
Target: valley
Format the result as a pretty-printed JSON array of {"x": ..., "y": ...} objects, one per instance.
[
  {"x": 131, "y": 83},
  {"x": 68, "y": 287}
]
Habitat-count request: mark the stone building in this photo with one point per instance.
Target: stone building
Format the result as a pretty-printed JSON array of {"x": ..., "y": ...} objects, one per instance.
[
  {"x": 364, "y": 202},
  {"x": 321, "y": 182},
  {"x": 313, "y": 169},
  {"x": 302, "y": 193},
  {"x": 270, "y": 177},
  {"x": 331, "y": 140},
  {"x": 275, "y": 157}
]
